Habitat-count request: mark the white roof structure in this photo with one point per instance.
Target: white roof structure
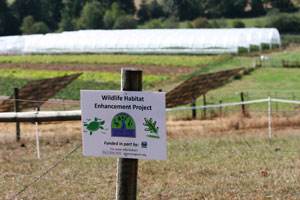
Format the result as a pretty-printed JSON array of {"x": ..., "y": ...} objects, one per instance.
[{"x": 141, "y": 41}]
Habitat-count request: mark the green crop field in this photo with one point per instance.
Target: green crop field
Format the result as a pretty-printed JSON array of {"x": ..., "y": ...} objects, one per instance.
[
  {"x": 270, "y": 76},
  {"x": 88, "y": 80},
  {"x": 161, "y": 60}
]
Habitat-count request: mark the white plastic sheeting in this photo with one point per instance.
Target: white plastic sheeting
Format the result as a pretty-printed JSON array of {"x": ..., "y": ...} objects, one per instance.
[{"x": 168, "y": 41}]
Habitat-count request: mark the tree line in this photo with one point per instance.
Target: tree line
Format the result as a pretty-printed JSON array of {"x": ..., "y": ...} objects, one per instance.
[{"x": 43, "y": 16}]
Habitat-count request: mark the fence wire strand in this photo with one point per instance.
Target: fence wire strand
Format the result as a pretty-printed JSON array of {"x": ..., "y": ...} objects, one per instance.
[
  {"x": 39, "y": 101},
  {"x": 51, "y": 179},
  {"x": 46, "y": 172},
  {"x": 44, "y": 138},
  {"x": 223, "y": 191},
  {"x": 276, "y": 150},
  {"x": 202, "y": 192}
]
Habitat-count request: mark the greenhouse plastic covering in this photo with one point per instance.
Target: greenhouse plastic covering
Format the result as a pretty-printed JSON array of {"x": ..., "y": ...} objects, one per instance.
[{"x": 141, "y": 41}]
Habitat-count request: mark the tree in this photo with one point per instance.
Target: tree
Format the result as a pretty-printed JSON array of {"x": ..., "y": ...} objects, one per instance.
[
  {"x": 47, "y": 11},
  {"x": 285, "y": 23},
  {"x": 27, "y": 25},
  {"x": 66, "y": 23},
  {"x": 91, "y": 16},
  {"x": 8, "y": 23},
  {"x": 125, "y": 22},
  {"x": 40, "y": 28},
  {"x": 23, "y": 8},
  {"x": 150, "y": 11},
  {"x": 70, "y": 13},
  {"x": 184, "y": 9},
  {"x": 257, "y": 8},
  {"x": 144, "y": 12},
  {"x": 110, "y": 16},
  {"x": 283, "y": 5},
  {"x": 156, "y": 10},
  {"x": 226, "y": 8},
  {"x": 126, "y": 5},
  {"x": 51, "y": 12}
]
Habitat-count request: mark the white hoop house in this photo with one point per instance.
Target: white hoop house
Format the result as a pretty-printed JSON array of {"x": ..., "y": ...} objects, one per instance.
[{"x": 142, "y": 41}]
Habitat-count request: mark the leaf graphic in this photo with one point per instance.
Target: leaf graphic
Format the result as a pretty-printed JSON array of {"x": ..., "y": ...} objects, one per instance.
[
  {"x": 153, "y": 136},
  {"x": 151, "y": 127}
]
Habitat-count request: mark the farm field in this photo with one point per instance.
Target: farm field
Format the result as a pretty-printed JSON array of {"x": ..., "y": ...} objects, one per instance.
[
  {"x": 160, "y": 72},
  {"x": 227, "y": 156},
  {"x": 202, "y": 164}
]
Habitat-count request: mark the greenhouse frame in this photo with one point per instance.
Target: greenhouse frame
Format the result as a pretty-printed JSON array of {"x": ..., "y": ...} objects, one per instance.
[{"x": 143, "y": 41}]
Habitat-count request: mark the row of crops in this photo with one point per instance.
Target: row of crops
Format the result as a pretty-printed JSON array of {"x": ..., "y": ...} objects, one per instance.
[{"x": 88, "y": 80}]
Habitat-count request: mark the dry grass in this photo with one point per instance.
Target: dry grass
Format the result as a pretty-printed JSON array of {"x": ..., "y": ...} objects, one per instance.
[
  {"x": 229, "y": 124},
  {"x": 205, "y": 159}
]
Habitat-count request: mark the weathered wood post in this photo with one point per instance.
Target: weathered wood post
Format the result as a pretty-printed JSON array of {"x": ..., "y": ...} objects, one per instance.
[
  {"x": 16, "y": 107},
  {"x": 194, "y": 111},
  {"x": 243, "y": 105},
  {"x": 128, "y": 168}
]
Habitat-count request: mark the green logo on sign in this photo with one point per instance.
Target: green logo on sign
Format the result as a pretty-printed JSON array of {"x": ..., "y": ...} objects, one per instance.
[
  {"x": 94, "y": 125},
  {"x": 123, "y": 125}
]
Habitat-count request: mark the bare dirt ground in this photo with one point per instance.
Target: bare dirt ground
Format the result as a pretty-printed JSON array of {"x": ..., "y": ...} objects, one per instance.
[{"x": 114, "y": 68}]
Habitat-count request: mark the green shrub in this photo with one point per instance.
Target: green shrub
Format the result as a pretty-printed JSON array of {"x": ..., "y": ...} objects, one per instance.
[
  {"x": 273, "y": 12},
  {"x": 187, "y": 24},
  {"x": 238, "y": 24},
  {"x": 40, "y": 28},
  {"x": 285, "y": 23},
  {"x": 287, "y": 39},
  {"x": 154, "y": 23},
  {"x": 201, "y": 22},
  {"x": 125, "y": 22},
  {"x": 27, "y": 24},
  {"x": 171, "y": 22}
]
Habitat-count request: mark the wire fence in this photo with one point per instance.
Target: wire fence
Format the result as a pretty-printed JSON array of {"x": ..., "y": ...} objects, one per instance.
[
  {"x": 97, "y": 182},
  {"x": 184, "y": 154}
]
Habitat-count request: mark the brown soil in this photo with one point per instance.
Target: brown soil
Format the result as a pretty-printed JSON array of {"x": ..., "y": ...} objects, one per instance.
[{"x": 114, "y": 68}]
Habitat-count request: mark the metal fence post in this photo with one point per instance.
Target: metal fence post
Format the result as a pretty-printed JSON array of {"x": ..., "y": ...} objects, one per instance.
[
  {"x": 243, "y": 105},
  {"x": 270, "y": 131},
  {"x": 221, "y": 114},
  {"x": 37, "y": 137},
  {"x": 204, "y": 104},
  {"x": 128, "y": 168},
  {"x": 16, "y": 106},
  {"x": 194, "y": 111}
]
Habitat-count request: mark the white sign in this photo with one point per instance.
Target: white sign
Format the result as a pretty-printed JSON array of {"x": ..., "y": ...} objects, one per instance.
[{"x": 124, "y": 124}]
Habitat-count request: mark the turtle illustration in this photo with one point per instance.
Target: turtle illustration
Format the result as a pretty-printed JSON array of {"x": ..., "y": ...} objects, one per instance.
[{"x": 94, "y": 125}]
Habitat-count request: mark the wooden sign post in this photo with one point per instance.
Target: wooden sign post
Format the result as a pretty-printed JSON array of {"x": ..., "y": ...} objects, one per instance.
[
  {"x": 16, "y": 107},
  {"x": 128, "y": 168}
]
